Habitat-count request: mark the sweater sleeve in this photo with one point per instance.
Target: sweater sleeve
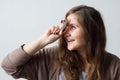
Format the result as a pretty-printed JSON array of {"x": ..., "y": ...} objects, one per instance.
[
  {"x": 15, "y": 58},
  {"x": 116, "y": 69},
  {"x": 21, "y": 65}
]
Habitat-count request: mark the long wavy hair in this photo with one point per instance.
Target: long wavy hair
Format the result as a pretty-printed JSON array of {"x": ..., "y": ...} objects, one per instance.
[{"x": 95, "y": 35}]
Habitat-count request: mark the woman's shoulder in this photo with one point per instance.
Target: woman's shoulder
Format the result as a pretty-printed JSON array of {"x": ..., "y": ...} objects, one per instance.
[
  {"x": 112, "y": 61},
  {"x": 51, "y": 49},
  {"x": 111, "y": 57},
  {"x": 112, "y": 66}
]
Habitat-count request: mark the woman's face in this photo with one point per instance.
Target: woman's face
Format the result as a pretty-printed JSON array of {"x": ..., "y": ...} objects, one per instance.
[{"x": 74, "y": 35}]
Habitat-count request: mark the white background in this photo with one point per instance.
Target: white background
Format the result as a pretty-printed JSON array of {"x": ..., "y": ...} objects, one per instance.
[{"x": 22, "y": 21}]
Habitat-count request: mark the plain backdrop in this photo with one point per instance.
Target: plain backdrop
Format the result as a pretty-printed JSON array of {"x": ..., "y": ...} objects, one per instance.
[{"x": 22, "y": 21}]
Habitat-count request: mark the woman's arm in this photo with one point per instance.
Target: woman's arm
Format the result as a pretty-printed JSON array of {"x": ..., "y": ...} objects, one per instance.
[
  {"x": 22, "y": 60},
  {"x": 50, "y": 36}
]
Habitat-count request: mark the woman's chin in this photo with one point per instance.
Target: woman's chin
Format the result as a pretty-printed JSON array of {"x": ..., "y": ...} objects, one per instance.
[{"x": 70, "y": 48}]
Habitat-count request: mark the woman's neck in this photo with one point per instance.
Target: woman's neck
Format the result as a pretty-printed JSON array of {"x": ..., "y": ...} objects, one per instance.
[{"x": 85, "y": 61}]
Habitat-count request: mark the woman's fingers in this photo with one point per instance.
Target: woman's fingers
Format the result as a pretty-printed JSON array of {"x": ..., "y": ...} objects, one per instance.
[
  {"x": 55, "y": 30},
  {"x": 53, "y": 34}
]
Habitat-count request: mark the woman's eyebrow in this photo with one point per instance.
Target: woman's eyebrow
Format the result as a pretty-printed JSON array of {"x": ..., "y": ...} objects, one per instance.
[{"x": 73, "y": 24}]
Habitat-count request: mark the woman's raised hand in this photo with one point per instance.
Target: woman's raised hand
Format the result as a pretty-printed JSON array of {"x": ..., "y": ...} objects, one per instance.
[{"x": 53, "y": 34}]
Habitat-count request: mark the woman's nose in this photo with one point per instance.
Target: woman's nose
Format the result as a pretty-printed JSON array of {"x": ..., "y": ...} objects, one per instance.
[{"x": 67, "y": 33}]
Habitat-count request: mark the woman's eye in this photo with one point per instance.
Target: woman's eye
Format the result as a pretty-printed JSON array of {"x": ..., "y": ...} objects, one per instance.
[{"x": 72, "y": 27}]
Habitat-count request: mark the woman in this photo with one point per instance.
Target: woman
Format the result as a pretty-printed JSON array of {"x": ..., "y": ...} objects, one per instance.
[{"x": 80, "y": 54}]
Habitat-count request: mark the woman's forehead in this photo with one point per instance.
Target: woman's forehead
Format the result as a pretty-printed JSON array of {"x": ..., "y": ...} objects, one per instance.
[{"x": 72, "y": 19}]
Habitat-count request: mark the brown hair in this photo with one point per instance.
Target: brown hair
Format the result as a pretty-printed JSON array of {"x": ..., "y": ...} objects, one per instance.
[{"x": 95, "y": 34}]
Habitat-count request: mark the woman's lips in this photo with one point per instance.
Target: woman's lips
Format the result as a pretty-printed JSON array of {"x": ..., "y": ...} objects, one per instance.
[{"x": 70, "y": 40}]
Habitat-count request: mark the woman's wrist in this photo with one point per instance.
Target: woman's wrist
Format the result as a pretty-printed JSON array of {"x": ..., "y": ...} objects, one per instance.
[
  {"x": 43, "y": 41},
  {"x": 32, "y": 47}
]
